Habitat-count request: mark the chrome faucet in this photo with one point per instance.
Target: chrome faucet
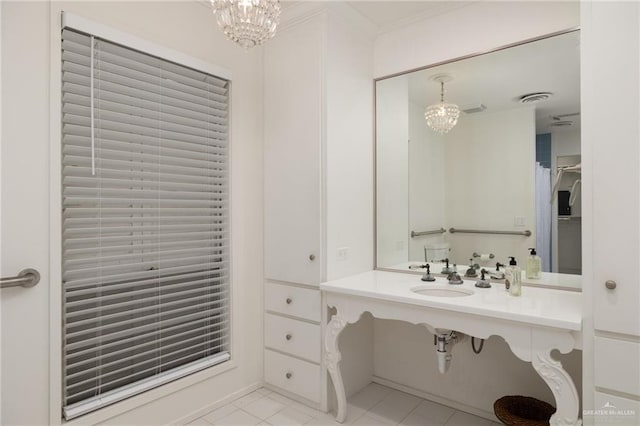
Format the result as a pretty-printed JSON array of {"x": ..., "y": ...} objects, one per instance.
[
  {"x": 483, "y": 283},
  {"x": 454, "y": 277},
  {"x": 471, "y": 272},
  {"x": 446, "y": 270},
  {"x": 427, "y": 275}
]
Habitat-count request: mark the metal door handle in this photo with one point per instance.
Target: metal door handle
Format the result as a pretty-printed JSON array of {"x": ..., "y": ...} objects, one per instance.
[
  {"x": 610, "y": 284},
  {"x": 26, "y": 278}
]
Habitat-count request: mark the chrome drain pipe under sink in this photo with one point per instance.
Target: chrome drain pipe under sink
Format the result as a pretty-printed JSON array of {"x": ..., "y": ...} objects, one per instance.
[{"x": 445, "y": 340}]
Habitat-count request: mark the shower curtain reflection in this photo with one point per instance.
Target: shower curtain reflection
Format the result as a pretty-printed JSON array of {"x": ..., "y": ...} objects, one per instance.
[{"x": 543, "y": 216}]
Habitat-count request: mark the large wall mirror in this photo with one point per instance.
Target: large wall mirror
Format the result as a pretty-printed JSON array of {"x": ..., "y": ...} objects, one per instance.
[{"x": 503, "y": 179}]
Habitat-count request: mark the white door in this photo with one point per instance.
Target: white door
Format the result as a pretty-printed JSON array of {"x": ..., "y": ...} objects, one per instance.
[{"x": 24, "y": 215}]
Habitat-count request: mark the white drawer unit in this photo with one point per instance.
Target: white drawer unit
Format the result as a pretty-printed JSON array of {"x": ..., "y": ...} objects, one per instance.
[
  {"x": 294, "y": 301},
  {"x": 298, "y": 338},
  {"x": 293, "y": 341},
  {"x": 293, "y": 375},
  {"x": 618, "y": 367}
]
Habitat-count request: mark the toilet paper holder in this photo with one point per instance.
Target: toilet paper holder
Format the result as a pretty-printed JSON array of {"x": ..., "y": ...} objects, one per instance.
[{"x": 484, "y": 256}]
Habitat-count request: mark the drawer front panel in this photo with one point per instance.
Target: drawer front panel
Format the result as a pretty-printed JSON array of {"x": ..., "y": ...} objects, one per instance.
[
  {"x": 295, "y": 337},
  {"x": 294, "y": 301},
  {"x": 617, "y": 365},
  {"x": 293, "y": 375}
]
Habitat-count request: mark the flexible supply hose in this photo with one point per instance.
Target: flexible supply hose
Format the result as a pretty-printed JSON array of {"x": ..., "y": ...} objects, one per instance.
[{"x": 473, "y": 345}]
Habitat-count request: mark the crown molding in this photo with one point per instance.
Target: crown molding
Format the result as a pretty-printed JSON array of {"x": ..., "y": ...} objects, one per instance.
[{"x": 440, "y": 9}]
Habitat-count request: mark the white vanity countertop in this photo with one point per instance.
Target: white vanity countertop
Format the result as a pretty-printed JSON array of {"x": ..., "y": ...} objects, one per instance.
[
  {"x": 538, "y": 306},
  {"x": 547, "y": 279},
  {"x": 555, "y": 279}
]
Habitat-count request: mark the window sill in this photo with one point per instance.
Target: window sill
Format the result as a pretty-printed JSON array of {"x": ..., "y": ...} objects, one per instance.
[{"x": 142, "y": 399}]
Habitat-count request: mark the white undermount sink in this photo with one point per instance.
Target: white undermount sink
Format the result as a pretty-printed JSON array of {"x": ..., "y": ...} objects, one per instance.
[{"x": 440, "y": 291}]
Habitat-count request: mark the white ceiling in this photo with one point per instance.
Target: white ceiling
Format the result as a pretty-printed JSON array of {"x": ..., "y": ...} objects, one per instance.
[
  {"x": 498, "y": 79},
  {"x": 390, "y": 14}
]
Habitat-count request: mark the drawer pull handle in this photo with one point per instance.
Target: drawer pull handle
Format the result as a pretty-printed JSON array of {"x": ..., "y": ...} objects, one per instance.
[
  {"x": 610, "y": 284},
  {"x": 289, "y": 375},
  {"x": 289, "y": 300},
  {"x": 288, "y": 336},
  {"x": 312, "y": 257}
]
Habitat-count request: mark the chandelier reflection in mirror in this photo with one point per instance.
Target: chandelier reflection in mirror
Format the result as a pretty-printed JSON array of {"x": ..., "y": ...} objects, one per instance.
[
  {"x": 248, "y": 23},
  {"x": 442, "y": 117}
]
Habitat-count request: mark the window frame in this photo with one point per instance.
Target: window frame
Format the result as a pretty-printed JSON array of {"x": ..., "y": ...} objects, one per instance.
[{"x": 56, "y": 371}]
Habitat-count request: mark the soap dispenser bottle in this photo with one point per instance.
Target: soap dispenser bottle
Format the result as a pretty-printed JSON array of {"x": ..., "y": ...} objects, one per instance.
[
  {"x": 533, "y": 265},
  {"x": 508, "y": 273},
  {"x": 515, "y": 275}
]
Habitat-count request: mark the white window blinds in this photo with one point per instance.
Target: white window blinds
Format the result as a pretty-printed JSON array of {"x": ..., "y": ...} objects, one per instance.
[{"x": 145, "y": 229}]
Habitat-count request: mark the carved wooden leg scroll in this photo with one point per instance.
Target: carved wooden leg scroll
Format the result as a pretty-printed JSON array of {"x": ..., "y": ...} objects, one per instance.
[
  {"x": 558, "y": 380},
  {"x": 332, "y": 362}
]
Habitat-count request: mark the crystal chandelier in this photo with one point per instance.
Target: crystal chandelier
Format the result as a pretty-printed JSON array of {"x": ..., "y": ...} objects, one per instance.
[
  {"x": 442, "y": 117},
  {"x": 247, "y": 22}
]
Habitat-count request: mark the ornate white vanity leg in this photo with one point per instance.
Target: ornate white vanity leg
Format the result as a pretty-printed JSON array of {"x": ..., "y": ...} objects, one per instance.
[
  {"x": 332, "y": 360},
  {"x": 558, "y": 380}
]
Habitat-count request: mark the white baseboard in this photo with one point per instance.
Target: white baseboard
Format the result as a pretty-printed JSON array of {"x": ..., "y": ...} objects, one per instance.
[
  {"x": 215, "y": 405},
  {"x": 435, "y": 398},
  {"x": 295, "y": 397}
]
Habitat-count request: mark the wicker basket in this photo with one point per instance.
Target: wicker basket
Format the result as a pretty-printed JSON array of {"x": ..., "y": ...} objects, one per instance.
[{"x": 523, "y": 411}]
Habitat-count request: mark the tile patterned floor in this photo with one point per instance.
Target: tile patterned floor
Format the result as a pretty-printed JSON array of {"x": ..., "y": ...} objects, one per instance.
[{"x": 372, "y": 406}]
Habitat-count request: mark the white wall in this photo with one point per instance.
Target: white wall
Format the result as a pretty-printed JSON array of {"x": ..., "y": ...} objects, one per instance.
[
  {"x": 473, "y": 28},
  {"x": 187, "y": 27},
  {"x": 349, "y": 171},
  {"x": 476, "y": 27},
  {"x": 349, "y": 147},
  {"x": 443, "y": 172},
  {"x": 405, "y": 354},
  {"x": 392, "y": 149},
  {"x": 565, "y": 141},
  {"x": 426, "y": 183},
  {"x": 497, "y": 149}
]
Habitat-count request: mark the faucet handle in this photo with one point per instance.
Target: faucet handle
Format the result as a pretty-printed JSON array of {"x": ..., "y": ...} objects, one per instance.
[
  {"x": 483, "y": 283},
  {"x": 427, "y": 275}
]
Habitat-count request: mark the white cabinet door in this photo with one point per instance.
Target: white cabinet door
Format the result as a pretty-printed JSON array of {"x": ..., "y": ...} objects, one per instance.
[
  {"x": 612, "y": 123},
  {"x": 615, "y": 410},
  {"x": 293, "y": 123}
]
